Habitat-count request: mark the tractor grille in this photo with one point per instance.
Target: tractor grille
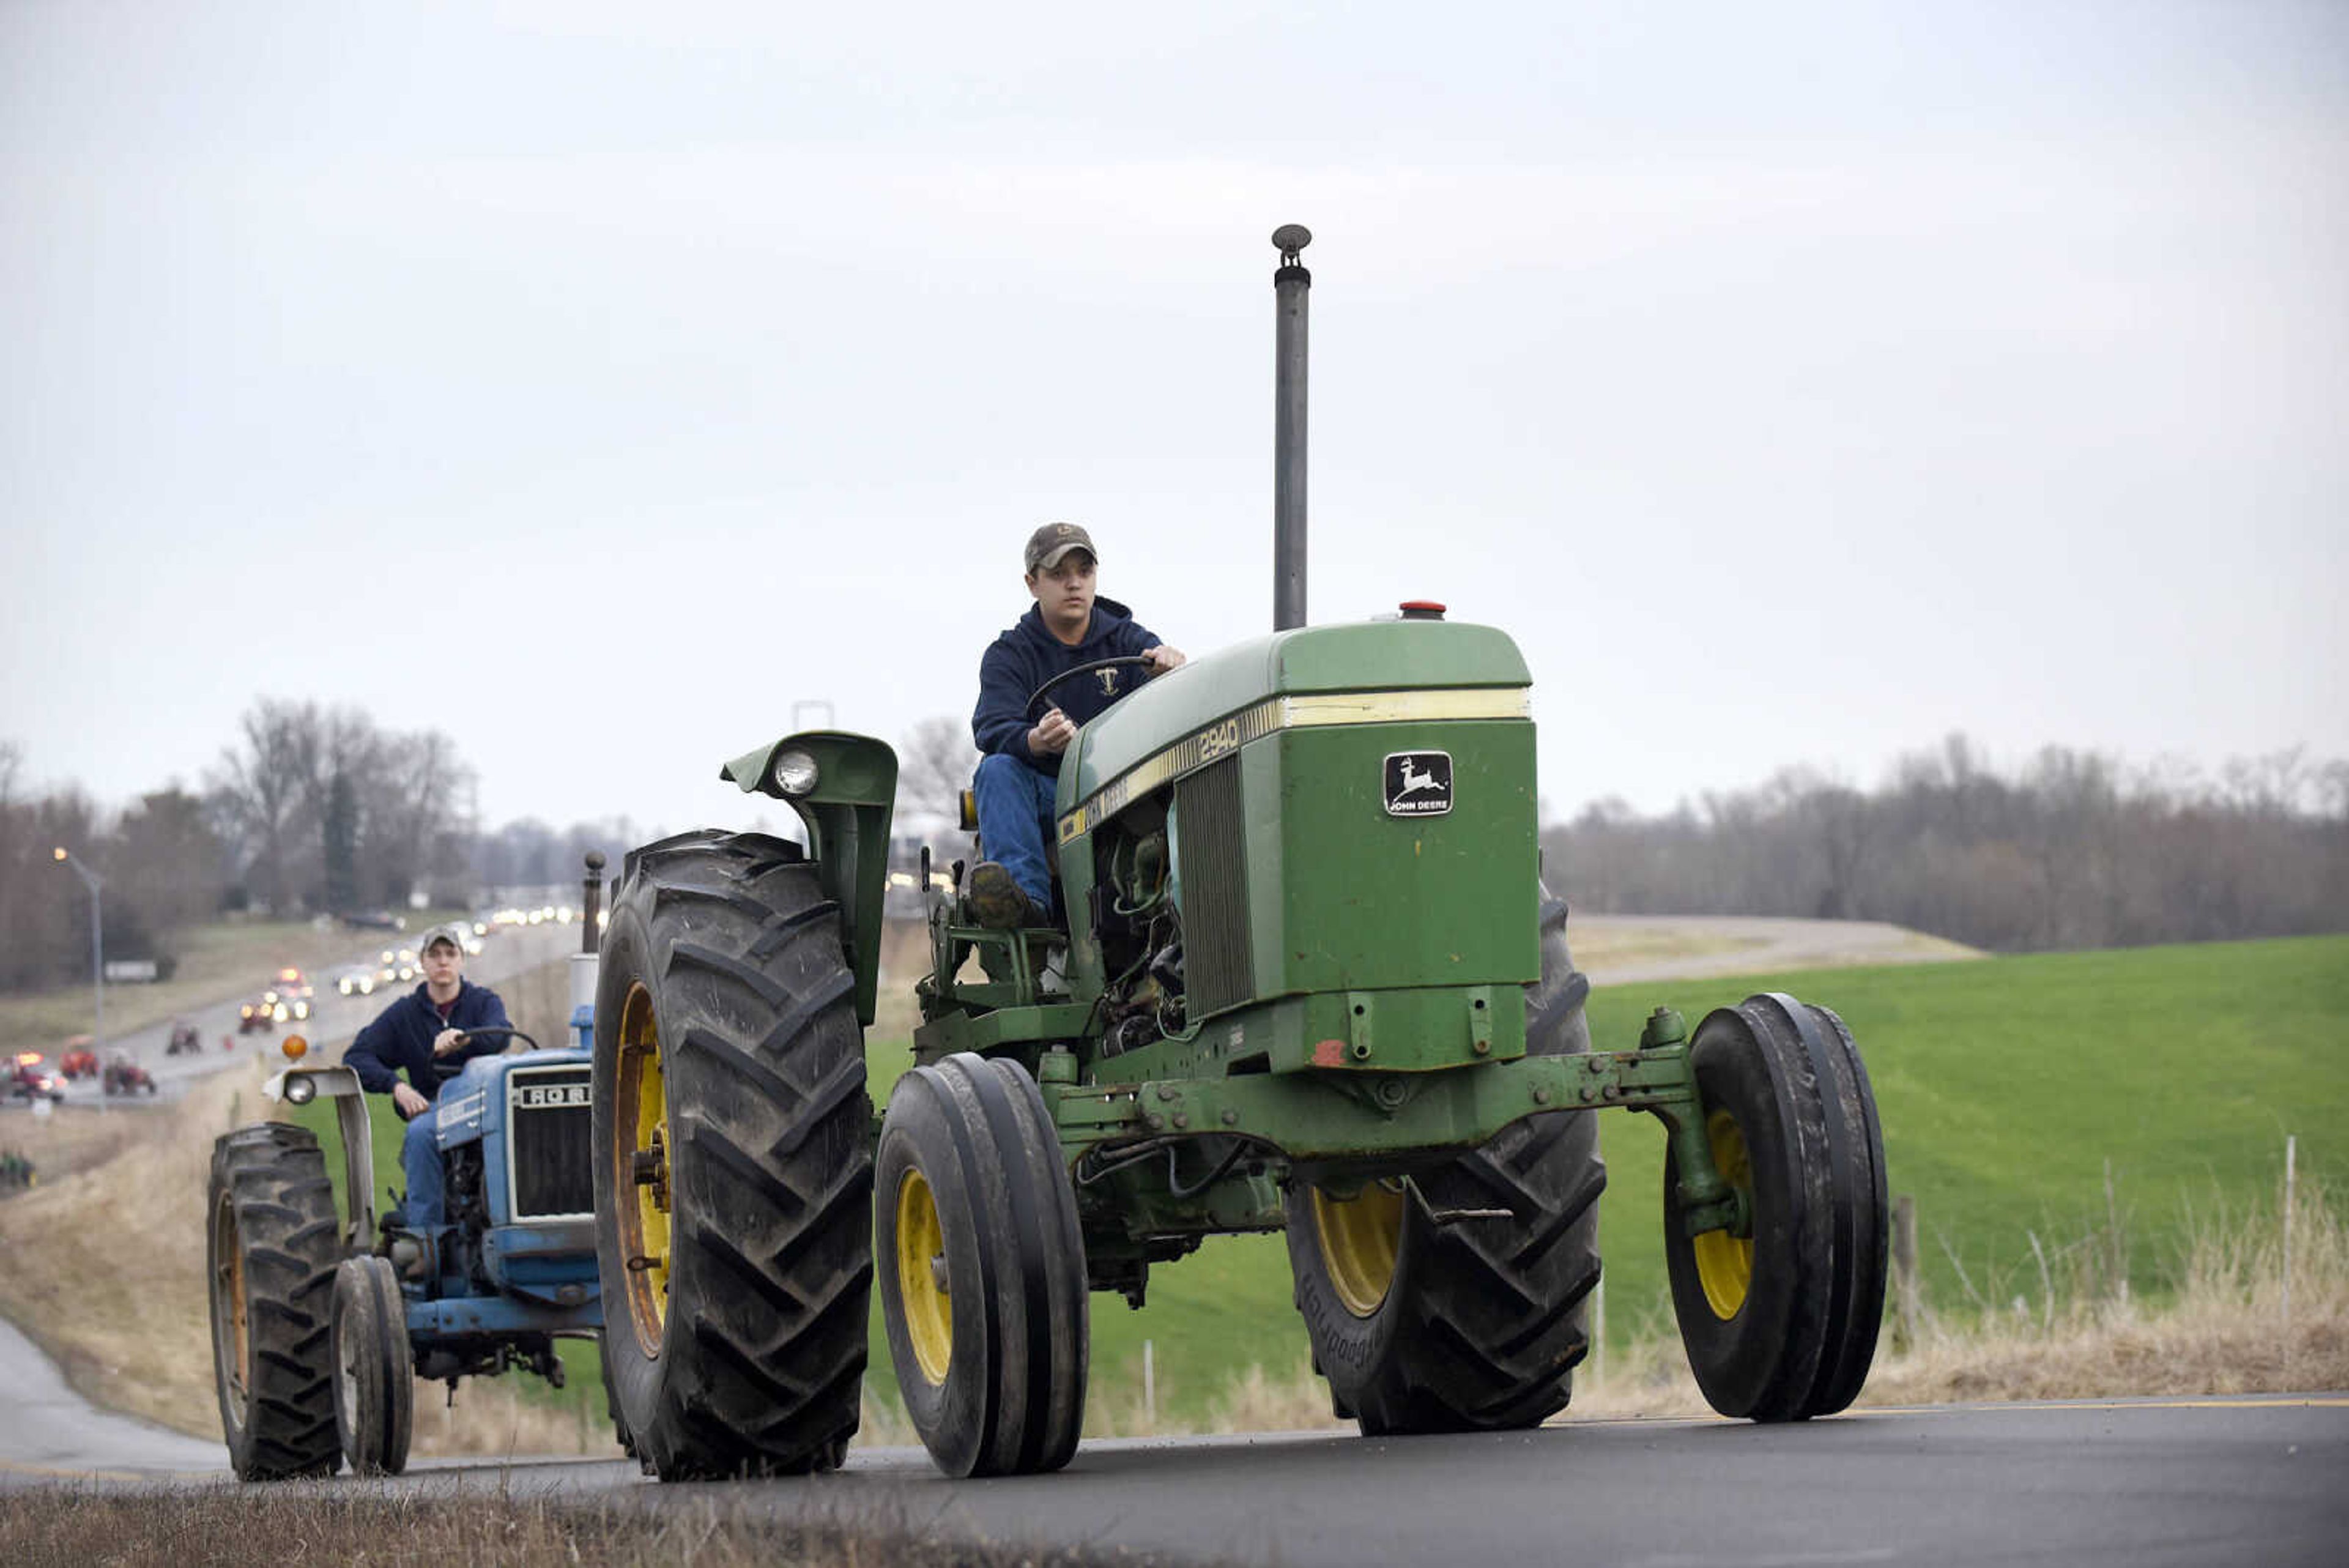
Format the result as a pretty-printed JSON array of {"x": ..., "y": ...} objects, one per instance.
[
  {"x": 547, "y": 1114},
  {"x": 1217, "y": 973}
]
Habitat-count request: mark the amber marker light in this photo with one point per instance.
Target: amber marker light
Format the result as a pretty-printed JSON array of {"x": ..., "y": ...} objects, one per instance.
[{"x": 296, "y": 1048}]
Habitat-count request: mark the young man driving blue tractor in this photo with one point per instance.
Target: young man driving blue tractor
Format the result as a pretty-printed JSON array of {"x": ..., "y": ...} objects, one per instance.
[
  {"x": 424, "y": 1033},
  {"x": 322, "y": 1319}
]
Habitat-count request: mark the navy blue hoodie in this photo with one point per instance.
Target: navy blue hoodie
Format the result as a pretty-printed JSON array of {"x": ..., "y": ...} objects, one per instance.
[
  {"x": 402, "y": 1035},
  {"x": 1027, "y": 655}
]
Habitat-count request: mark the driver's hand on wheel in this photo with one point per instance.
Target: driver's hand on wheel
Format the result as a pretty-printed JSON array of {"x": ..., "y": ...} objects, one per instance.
[
  {"x": 409, "y": 1102},
  {"x": 447, "y": 1040},
  {"x": 1051, "y": 734},
  {"x": 1164, "y": 658}
]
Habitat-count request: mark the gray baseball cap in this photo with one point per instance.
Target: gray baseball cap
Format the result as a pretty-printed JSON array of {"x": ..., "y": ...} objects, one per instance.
[{"x": 1046, "y": 544}]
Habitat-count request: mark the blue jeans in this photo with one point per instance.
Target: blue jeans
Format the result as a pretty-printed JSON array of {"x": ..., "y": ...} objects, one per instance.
[
  {"x": 1015, "y": 813},
  {"x": 419, "y": 1158}
]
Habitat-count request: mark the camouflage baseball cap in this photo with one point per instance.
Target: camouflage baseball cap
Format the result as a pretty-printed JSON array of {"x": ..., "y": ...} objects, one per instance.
[
  {"x": 450, "y": 934},
  {"x": 1046, "y": 544}
]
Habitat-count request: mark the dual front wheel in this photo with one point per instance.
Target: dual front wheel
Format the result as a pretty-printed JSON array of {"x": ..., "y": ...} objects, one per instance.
[
  {"x": 982, "y": 1268},
  {"x": 1779, "y": 1313}
]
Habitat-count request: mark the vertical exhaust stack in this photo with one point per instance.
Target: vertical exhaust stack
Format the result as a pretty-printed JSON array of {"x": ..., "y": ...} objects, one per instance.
[
  {"x": 1290, "y": 284},
  {"x": 585, "y": 963}
]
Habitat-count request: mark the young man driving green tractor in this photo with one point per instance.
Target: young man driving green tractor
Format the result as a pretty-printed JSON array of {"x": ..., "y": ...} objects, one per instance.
[{"x": 1309, "y": 981}]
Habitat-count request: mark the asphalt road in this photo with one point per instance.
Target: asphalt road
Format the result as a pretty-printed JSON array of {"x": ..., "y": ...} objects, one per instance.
[{"x": 2132, "y": 1484}]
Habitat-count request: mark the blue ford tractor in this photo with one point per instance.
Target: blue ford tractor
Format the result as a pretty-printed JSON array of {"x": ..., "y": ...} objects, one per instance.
[{"x": 322, "y": 1322}]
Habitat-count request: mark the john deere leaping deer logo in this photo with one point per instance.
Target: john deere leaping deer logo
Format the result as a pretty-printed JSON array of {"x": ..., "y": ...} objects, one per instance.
[{"x": 1418, "y": 784}]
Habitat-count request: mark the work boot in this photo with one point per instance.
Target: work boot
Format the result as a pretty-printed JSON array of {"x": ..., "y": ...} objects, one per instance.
[{"x": 998, "y": 903}]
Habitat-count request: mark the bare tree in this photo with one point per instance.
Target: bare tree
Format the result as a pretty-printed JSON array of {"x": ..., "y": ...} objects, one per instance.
[
  {"x": 261, "y": 794},
  {"x": 167, "y": 860},
  {"x": 2077, "y": 851},
  {"x": 935, "y": 762}
]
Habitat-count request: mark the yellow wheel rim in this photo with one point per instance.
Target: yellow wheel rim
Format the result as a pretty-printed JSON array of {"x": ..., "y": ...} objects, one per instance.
[
  {"x": 641, "y": 1145},
  {"x": 1360, "y": 1236},
  {"x": 922, "y": 1298},
  {"x": 1724, "y": 1263},
  {"x": 232, "y": 1344}
]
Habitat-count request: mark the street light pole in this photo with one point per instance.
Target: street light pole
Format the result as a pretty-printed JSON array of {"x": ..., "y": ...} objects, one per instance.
[{"x": 91, "y": 880}]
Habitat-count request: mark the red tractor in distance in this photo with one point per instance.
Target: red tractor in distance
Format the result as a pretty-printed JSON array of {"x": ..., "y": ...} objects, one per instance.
[
  {"x": 126, "y": 1076},
  {"x": 78, "y": 1059}
]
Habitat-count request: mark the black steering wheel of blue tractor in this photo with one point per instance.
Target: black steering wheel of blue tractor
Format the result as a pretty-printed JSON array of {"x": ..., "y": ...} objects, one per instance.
[
  {"x": 447, "y": 1067},
  {"x": 1134, "y": 660}
]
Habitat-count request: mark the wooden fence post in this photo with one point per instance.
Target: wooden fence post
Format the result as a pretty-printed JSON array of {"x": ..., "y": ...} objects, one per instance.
[{"x": 1905, "y": 1283}]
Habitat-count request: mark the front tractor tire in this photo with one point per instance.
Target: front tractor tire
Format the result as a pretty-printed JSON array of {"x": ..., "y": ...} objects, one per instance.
[
  {"x": 982, "y": 1268},
  {"x": 1476, "y": 1324},
  {"x": 1780, "y": 1319},
  {"x": 269, "y": 1252},
  {"x": 375, "y": 1375},
  {"x": 733, "y": 1175}
]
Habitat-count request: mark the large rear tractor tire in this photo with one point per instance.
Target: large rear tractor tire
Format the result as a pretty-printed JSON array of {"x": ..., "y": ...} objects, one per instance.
[
  {"x": 1477, "y": 1325},
  {"x": 1780, "y": 1320},
  {"x": 733, "y": 1174},
  {"x": 270, "y": 1251},
  {"x": 612, "y": 1395},
  {"x": 375, "y": 1375},
  {"x": 982, "y": 1268}
]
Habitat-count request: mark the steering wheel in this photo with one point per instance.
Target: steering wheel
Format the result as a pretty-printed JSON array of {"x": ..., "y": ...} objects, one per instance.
[
  {"x": 1134, "y": 659},
  {"x": 447, "y": 1067}
]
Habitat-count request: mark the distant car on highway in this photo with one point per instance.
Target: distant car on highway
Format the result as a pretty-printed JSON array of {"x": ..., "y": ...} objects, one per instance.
[
  {"x": 374, "y": 920},
  {"x": 79, "y": 1060},
  {"x": 398, "y": 967},
  {"x": 272, "y": 1009},
  {"x": 291, "y": 985},
  {"x": 28, "y": 1080},
  {"x": 354, "y": 980}
]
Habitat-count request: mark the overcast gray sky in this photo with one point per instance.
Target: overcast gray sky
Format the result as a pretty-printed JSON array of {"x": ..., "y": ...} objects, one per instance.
[{"x": 596, "y": 383}]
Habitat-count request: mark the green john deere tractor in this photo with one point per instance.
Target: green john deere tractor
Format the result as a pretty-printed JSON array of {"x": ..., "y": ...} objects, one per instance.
[{"x": 1307, "y": 981}]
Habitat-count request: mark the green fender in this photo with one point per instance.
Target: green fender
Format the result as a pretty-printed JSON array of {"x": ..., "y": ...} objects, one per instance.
[{"x": 847, "y": 816}]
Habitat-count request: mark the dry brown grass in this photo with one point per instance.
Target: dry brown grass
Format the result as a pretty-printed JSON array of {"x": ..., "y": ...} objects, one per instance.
[
  {"x": 72, "y": 1527},
  {"x": 65, "y": 1141},
  {"x": 2077, "y": 1334},
  {"x": 104, "y": 1269}
]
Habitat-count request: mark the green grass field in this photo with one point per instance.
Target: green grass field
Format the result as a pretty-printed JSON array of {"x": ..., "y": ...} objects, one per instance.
[{"x": 2004, "y": 1085}]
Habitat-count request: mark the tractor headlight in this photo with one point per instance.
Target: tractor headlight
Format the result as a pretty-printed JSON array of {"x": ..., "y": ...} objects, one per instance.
[
  {"x": 300, "y": 1089},
  {"x": 795, "y": 773}
]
